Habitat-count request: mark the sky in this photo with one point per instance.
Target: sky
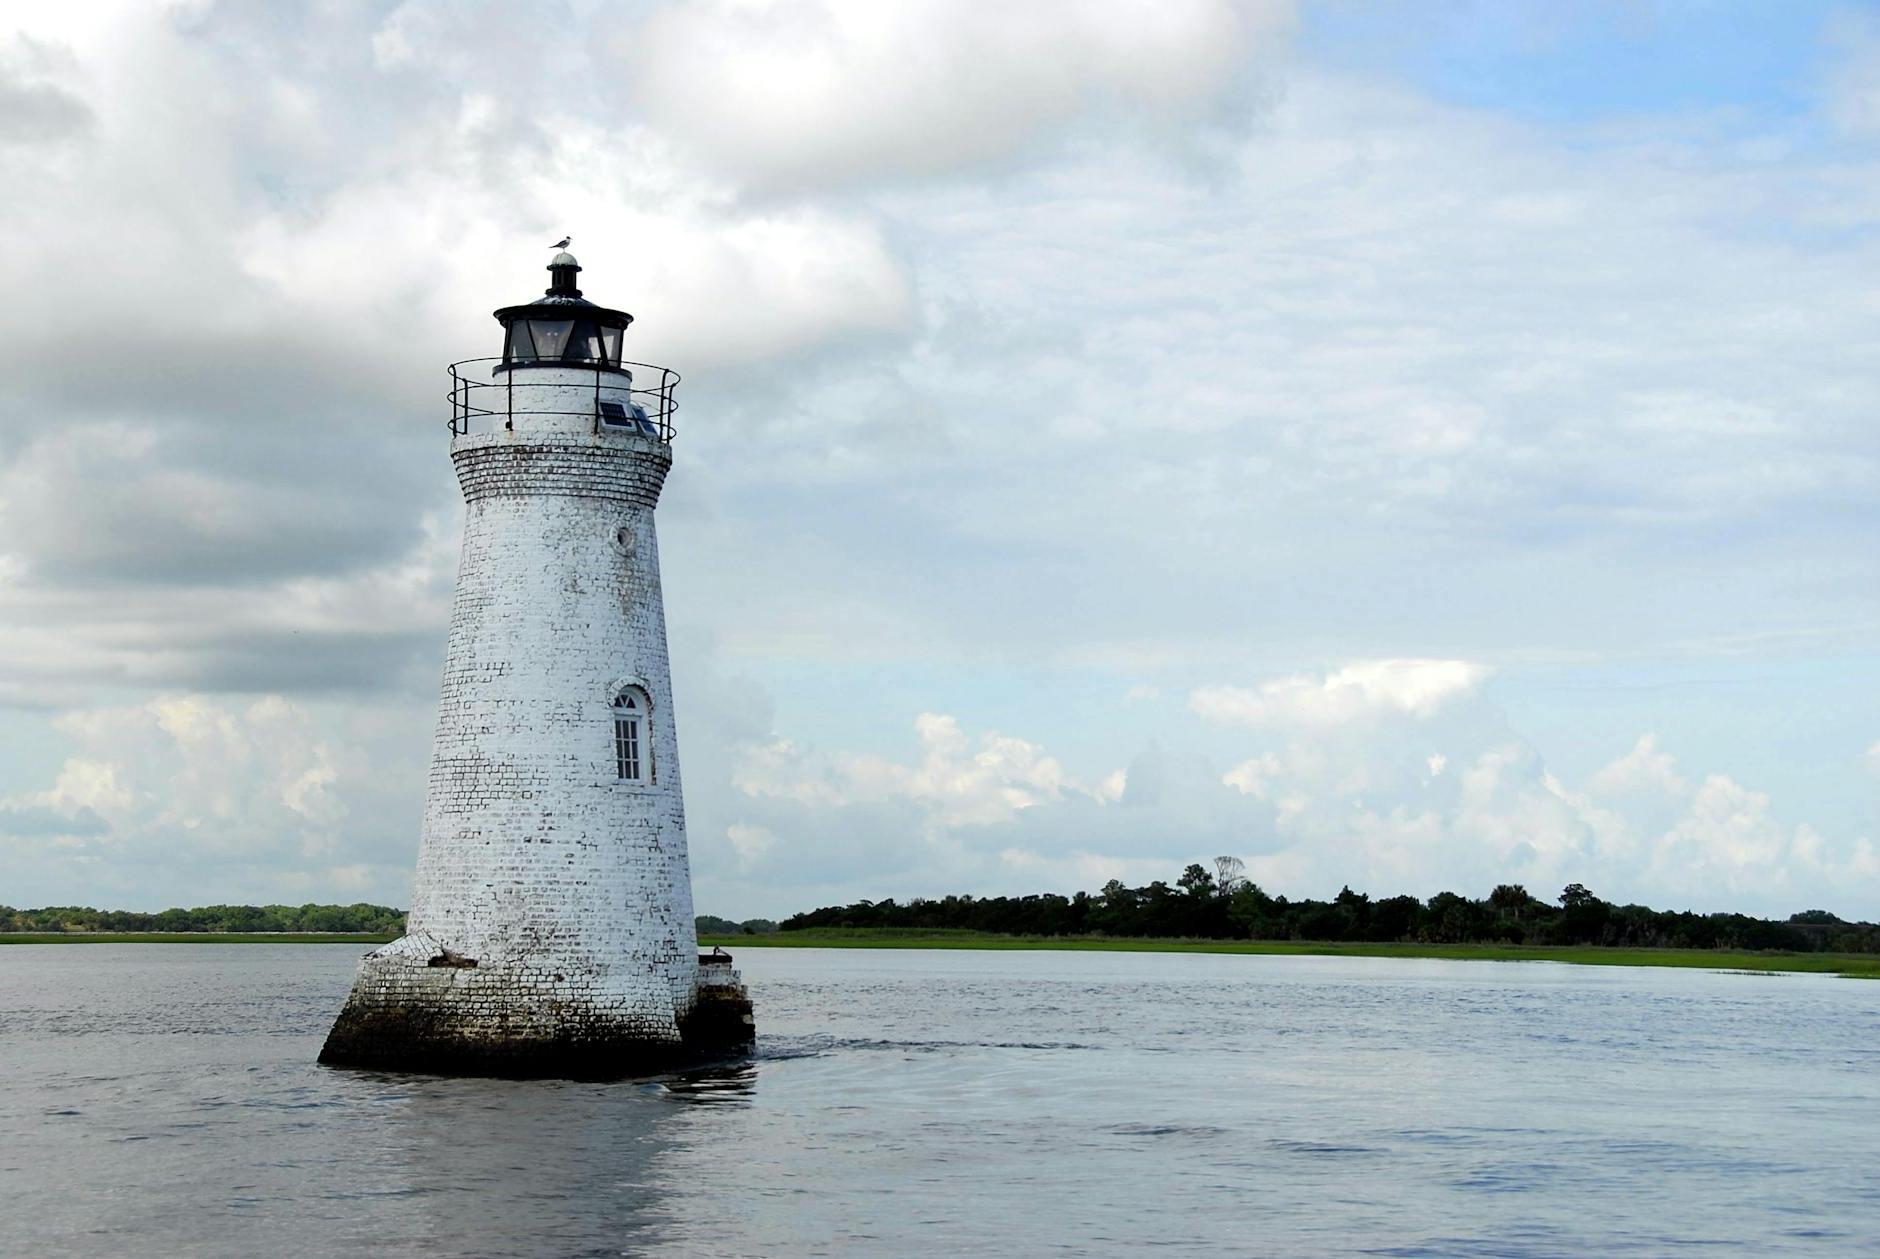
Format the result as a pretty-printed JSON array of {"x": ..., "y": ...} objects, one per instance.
[{"x": 1416, "y": 446}]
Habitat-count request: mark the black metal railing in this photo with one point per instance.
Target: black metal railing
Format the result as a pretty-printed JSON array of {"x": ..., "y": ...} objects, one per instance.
[{"x": 478, "y": 393}]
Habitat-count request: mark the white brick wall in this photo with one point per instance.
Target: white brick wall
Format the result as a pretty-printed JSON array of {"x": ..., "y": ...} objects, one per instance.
[{"x": 568, "y": 887}]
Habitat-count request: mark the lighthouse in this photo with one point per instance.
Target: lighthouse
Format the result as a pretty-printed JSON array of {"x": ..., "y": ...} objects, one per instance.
[{"x": 551, "y": 929}]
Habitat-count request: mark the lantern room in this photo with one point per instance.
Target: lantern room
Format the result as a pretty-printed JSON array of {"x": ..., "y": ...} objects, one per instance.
[{"x": 561, "y": 327}]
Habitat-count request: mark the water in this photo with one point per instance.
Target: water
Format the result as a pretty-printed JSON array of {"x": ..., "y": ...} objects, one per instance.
[{"x": 163, "y": 1100}]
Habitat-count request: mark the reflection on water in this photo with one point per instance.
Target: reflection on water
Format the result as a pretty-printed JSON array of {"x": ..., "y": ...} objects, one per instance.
[
  {"x": 164, "y": 1101},
  {"x": 727, "y": 1085},
  {"x": 482, "y": 1159}
]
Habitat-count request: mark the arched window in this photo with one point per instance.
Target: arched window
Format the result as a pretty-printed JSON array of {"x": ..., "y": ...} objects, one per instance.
[{"x": 633, "y": 751}]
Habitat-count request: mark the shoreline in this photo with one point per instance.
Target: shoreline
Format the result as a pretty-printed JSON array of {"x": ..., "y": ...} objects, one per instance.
[
  {"x": 1847, "y": 965},
  {"x": 193, "y": 937}
]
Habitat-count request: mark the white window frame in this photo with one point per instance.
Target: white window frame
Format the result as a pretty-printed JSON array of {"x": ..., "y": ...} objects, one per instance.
[{"x": 632, "y": 712}]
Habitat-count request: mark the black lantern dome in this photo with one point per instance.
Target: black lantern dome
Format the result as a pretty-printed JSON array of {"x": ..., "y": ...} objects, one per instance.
[{"x": 561, "y": 327}]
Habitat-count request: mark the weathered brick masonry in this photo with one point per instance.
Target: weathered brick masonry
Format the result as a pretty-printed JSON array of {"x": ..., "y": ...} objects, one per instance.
[{"x": 551, "y": 927}]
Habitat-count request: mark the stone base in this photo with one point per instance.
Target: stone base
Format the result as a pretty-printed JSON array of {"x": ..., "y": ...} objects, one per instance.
[
  {"x": 721, "y": 1020},
  {"x": 418, "y": 1007}
]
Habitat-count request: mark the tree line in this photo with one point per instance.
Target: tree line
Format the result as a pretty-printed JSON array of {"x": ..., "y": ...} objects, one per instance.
[
  {"x": 79, "y": 919},
  {"x": 713, "y": 925},
  {"x": 1223, "y": 904}
]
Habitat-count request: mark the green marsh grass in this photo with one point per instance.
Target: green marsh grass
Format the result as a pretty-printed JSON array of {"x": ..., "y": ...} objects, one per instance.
[
  {"x": 1854, "y": 965},
  {"x": 191, "y": 937}
]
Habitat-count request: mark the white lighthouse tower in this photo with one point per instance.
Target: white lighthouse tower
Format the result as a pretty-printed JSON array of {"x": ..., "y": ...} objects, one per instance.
[{"x": 551, "y": 928}]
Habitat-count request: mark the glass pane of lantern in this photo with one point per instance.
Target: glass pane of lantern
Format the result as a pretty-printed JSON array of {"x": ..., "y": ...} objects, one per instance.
[
  {"x": 587, "y": 343},
  {"x": 551, "y": 336},
  {"x": 610, "y": 341},
  {"x": 519, "y": 345}
]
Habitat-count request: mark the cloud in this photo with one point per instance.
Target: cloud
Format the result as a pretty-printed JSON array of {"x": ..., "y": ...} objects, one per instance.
[
  {"x": 122, "y": 504},
  {"x": 186, "y": 798},
  {"x": 750, "y": 843},
  {"x": 34, "y": 110},
  {"x": 1726, "y": 831},
  {"x": 190, "y": 763},
  {"x": 1654, "y": 837},
  {"x": 964, "y": 811},
  {"x": 1645, "y": 770},
  {"x": 1359, "y": 692},
  {"x": 248, "y": 491},
  {"x": 1852, "y": 86},
  {"x": 991, "y": 813},
  {"x": 1346, "y": 399},
  {"x": 84, "y": 786},
  {"x": 32, "y": 821},
  {"x": 794, "y": 95},
  {"x": 957, "y": 781},
  {"x": 374, "y": 631}
]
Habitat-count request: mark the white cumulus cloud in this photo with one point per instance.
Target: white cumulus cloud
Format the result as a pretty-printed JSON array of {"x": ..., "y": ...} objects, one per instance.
[
  {"x": 957, "y": 781},
  {"x": 1357, "y": 692},
  {"x": 796, "y": 92}
]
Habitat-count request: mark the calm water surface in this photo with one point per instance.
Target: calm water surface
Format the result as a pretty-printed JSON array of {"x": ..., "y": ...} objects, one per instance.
[{"x": 163, "y": 1100}]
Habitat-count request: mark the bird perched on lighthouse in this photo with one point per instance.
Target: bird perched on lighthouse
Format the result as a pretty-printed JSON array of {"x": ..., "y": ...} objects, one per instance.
[{"x": 563, "y": 243}]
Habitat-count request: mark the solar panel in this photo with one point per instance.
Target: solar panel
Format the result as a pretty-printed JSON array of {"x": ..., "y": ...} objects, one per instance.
[{"x": 615, "y": 414}]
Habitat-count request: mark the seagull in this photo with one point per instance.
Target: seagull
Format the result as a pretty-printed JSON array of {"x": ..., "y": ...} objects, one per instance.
[{"x": 563, "y": 243}]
